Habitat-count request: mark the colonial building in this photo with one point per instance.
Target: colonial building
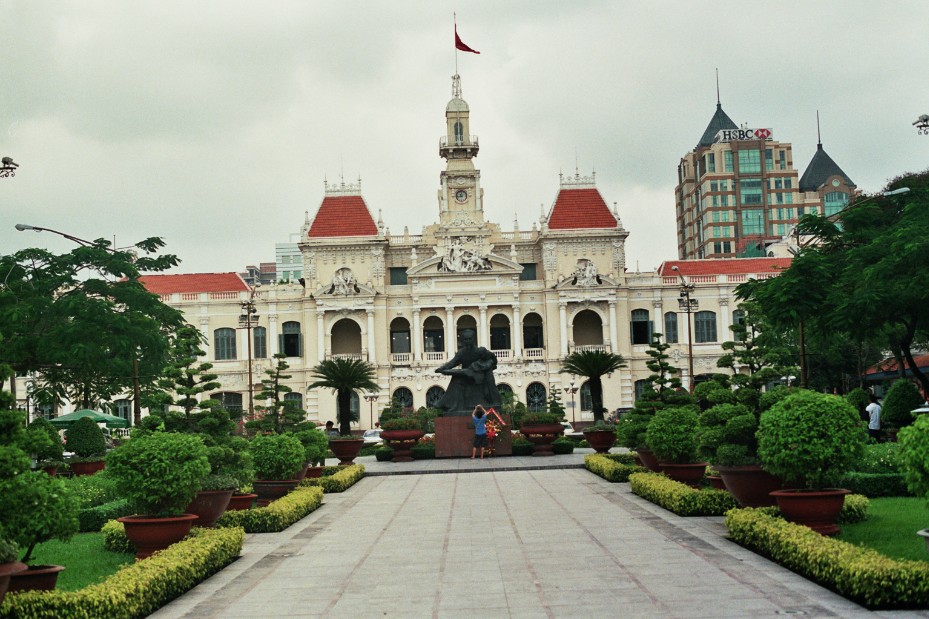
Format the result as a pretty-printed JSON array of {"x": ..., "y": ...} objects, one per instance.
[
  {"x": 399, "y": 301},
  {"x": 738, "y": 191}
]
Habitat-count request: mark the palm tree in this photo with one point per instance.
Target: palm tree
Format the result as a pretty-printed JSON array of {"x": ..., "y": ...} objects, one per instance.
[
  {"x": 344, "y": 376},
  {"x": 592, "y": 364}
]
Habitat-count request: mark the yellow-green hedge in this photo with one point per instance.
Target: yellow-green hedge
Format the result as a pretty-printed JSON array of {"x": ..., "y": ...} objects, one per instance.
[
  {"x": 854, "y": 509},
  {"x": 277, "y": 515},
  {"x": 612, "y": 468},
  {"x": 680, "y": 498},
  {"x": 341, "y": 481},
  {"x": 860, "y": 574},
  {"x": 138, "y": 589}
]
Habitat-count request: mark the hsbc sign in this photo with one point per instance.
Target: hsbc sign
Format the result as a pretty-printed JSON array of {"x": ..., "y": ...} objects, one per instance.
[{"x": 735, "y": 135}]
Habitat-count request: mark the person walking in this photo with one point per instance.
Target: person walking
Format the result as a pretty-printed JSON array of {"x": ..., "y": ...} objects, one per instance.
[
  {"x": 479, "y": 417},
  {"x": 874, "y": 418}
]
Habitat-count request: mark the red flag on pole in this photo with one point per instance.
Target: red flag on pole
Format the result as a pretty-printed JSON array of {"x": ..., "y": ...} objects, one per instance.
[{"x": 460, "y": 45}]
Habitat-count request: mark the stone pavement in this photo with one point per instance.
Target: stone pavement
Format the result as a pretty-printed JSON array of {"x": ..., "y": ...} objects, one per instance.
[{"x": 520, "y": 537}]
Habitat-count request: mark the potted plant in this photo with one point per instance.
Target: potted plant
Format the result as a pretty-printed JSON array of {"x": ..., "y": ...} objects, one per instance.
[
  {"x": 316, "y": 445},
  {"x": 35, "y": 508},
  {"x": 345, "y": 376},
  {"x": 601, "y": 436},
  {"x": 9, "y": 552},
  {"x": 914, "y": 454},
  {"x": 810, "y": 439},
  {"x": 277, "y": 459},
  {"x": 158, "y": 474},
  {"x": 902, "y": 398},
  {"x": 541, "y": 429},
  {"x": 401, "y": 435},
  {"x": 86, "y": 441},
  {"x": 50, "y": 453},
  {"x": 670, "y": 436}
]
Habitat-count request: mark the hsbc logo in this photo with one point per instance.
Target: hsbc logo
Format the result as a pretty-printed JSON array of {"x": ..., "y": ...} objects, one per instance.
[{"x": 736, "y": 135}]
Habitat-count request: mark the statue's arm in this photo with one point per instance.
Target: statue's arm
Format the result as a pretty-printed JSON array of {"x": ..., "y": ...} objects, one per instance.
[{"x": 454, "y": 361}]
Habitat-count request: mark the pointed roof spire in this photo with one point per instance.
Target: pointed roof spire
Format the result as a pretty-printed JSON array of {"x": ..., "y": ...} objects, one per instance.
[
  {"x": 719, "y": 121},
  {"x": 821, "y": 167},
  {"x": 717, "y": 86}
]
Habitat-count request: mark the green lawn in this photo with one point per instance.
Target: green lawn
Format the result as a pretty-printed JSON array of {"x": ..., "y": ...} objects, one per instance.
[
  {"x": 891, "y": 528},
  {"x": 84, "y": 557}
]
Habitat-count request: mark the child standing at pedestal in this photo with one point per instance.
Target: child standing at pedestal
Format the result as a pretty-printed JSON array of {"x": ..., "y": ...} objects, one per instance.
[{"x": 479, "y": 416}]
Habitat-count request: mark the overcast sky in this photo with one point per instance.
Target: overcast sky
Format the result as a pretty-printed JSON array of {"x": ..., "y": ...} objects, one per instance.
[{"x": 214, "y": 124}]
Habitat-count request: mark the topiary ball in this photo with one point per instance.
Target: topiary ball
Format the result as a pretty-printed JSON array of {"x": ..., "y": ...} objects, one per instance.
[{"x": 85, "y": 439}]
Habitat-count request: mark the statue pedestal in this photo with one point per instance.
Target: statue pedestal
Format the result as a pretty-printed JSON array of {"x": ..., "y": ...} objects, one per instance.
[{"x": 454, "y": 438}]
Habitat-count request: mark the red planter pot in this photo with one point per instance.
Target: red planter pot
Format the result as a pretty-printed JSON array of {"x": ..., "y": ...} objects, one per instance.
[
  {"x": 402, "y": 443},
  {"x": 314, "y": 472},
  {"x": 542, "y": 435},
  {"x": 271, "y": 490},
  {"x": 346, "y": 450},
  {"x": 87, "y": 468},
  {"x": 241, "y": 501},
  {"x": 36, "y": 578},
  {"x": 648, "y": 459},
  {"x": 716, "y": 482},
  {"x": 6, "y": 571},
  {"x": 689, "y": 474},
  {"x": 817, "y": 509},
  {"x": 152, "y": 534},
  {"x": 750, "y": 485},
  {"x": 208, "y": 506},
  {"x": 600, "y": 440}
]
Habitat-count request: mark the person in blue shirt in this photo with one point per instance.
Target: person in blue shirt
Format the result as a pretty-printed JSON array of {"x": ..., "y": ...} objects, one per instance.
[{"x": 479, "y": 417}]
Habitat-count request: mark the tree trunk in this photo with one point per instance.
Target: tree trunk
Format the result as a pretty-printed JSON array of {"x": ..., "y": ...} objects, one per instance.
[
  {"x": 136, "y": 394},
  {"x": 596, "y": 397},
  {"x": 344, "y": 399}
]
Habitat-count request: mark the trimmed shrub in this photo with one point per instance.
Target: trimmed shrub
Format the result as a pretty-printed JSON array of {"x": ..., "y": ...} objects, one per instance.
[
  {"x": 85, "y": 439},
  {"x": 899, "y": 401},
  {"x": 521, "y": 448},
  {"x": 277, "y": 515},
  {"x": 726, "y": 435},
  {"x": 342, "y": 480},
  {"x": 140, "y": 588},
  {"x": 611, "y": 469},
  {"x": 423, "y": 451},
  {"x": 854, "y": 509},
  {"x": 93, "y": 518},
  {"x": 914, "y": 454},
  {"x": 277, "y": 456},
  {"x": 862, "y": 575},
  {"x": 875, "y": 485},
  {"x": 563, "y": 446},
  {"x": 383, "y": 454},
  {"x": 114, "y": 537},
  {"x": 670, "y": 434},
  {"x": 52, "y": 449},
  {"x": 680, "y": 498}
]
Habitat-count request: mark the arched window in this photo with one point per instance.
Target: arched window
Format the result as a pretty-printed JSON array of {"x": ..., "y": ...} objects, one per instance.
[
  {"x": 459, "y": 133},
  {"x": 260, "y": 343},
  {"x": 641, "y": 327},
  {"x": 433, "y": 395},
  {"x": 587, "y": 329},
  {"x": 533, "y": 336},
  {"x": 224, "y": 344},
  {"x": 468, "y": 323},
  {"x": 640, "y": 386},
  {"x": 738, "y": 317},
  {"x": 123, "y": 408},
  {"x": 536, "y": 397},
  {"x": 670, "y": 327},
  {"x": 433, "y": 335},
  {"x": 404, "y": 397},
  {"x": 291, "y": 340},
  {"x": 504, "y": 388},
  {"x": 704, "y": 327},
  {"x": 232, "y": 402},
  {"x": 500, "y": 332},
  {"x": 294, "y": 399},
  {"x": 399, "y": 336},
  {"x": 587, "y": 403},
  {"x": 346, "y": 337}
]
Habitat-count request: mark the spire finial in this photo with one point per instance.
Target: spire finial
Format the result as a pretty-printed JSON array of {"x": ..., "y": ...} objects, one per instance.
[
  {"x": 718, "y": 103},
  {"x": 819, "y": 139}
]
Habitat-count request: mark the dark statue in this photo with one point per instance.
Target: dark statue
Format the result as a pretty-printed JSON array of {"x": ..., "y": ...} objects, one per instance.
[{"x": 472, "y": 383}]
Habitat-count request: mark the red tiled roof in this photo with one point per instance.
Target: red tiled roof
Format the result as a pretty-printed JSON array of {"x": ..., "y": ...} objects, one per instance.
[
  {"x": 343, "y": 216},
  {"x": 193, "y": 282},
  {"x": 721, "y": 266},
  {"x": 580, "y": 208},
  {"x": 890, "y": 365}
]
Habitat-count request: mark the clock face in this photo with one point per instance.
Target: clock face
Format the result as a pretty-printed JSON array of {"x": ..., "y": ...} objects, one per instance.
[{"x": 461, "y": 195}]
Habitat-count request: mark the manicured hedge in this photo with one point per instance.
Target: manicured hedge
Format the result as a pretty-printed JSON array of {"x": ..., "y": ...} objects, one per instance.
[
  {"x": 862, "y": 575},
  {"x": 680, "y": 498},
  {"x": 138, "y": 589},
  {"x": 875, "y": 484},
  {"x": 610, "y": 468},
  {"x": 93, "y": 518},
  {"x": 342, "y": 480},
  {"x": 277, "y": 515},
  {"x": 114, "y": 538},
  {"x": 854, "y": 509}
]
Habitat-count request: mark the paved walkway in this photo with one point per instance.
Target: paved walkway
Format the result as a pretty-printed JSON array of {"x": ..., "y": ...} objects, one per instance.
[{"x": 521, "y": 537}]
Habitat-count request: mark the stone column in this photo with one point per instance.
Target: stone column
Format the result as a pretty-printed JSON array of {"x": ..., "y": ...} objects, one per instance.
[
  {"x": 320, "y": 335},
  {"x": 724, "y": 334},
  {"x": 483, "y": 338},
  {"x": 563, "y": 318},
  {"x": 451, "y": 342},
  {"x": 517, "y": 327},
  {"x": 372, "y": 353},
  {"x": 614, "y": 337},
  {"x": 417, "y": 336},
  {"x": 274, "y": 346}
]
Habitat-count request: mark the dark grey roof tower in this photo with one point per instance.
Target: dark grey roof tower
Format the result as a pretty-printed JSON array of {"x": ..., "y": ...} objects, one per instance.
[
  {"x": 819, "y": 170},
  {"x": 719, "y": 122}
]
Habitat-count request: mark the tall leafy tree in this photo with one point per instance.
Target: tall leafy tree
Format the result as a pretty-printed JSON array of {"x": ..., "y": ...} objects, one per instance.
[
  {"x": 344, "y": 376},
  {"x": 593, "y": 365}
]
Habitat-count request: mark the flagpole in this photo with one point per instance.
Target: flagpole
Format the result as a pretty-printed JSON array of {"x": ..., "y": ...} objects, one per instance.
[{"x": 455, "y": 22}]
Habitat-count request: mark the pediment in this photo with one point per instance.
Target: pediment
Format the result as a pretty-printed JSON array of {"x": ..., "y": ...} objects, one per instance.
[
  {"x": 491, "y": 265},
  {"x": 572, "y": 282}
]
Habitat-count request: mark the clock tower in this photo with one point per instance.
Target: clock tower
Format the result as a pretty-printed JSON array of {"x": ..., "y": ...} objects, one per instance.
[{"x": 460, "y": 196}]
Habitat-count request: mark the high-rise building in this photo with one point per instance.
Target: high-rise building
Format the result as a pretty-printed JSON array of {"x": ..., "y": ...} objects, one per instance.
[{"x": 738, "y": 191}]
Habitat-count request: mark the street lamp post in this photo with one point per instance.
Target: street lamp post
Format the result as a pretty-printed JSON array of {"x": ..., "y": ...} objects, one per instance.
[
  {"x": 248, "y": 320},
  {"x": 686, "y": 303},
  {"x": 371, "y": 398},
  {"x": 571, "y": 390}
]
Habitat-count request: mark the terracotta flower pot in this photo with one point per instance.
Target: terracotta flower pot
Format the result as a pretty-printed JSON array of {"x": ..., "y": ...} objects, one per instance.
[
  {"x": 241, "y": 501},
  {"x": 314, "y": 472},
  {"x": 7, "y": 570},
  {"x": 402, "y": 442},
  {"x": 208, "y": 506},
  {"x": 346, "y": 450},
  {"x": 689, "y": 474},
  {"x": 600, "y": 440},
  {"x": 750, "y": 485},
  {"x": 817, "y": 509},
  {"x": 87, "y": 468},
  {"x": 716, "y": 482},
  {"x": 270, "y": 490},
  {"x": 542, "y": 435},
  {"x": 152, "y": 534},
  {"x": 648, "y": 459},
  {"x": 35, "y": 578}
]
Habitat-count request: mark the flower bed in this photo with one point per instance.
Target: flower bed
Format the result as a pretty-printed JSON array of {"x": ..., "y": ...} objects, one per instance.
[
  {"x": 278, "y": 515},
  {"x": 612, "y": 468},
  {"x": 138, "y": 589},
  {"x": 862, "y": 575},
  {"x": 680, "y": 498},
  {"x": 345, "y": 478}
]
